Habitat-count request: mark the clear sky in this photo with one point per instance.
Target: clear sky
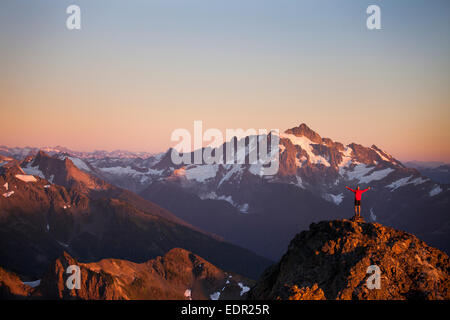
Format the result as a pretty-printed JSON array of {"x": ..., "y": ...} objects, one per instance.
[{"x": 137, "y": 70}]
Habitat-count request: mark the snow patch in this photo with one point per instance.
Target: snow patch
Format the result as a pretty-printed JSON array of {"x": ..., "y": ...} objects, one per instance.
[
  {"x": 373, "y": 217},
  {"x": 346, "y": 160},
  {"x": 260, "y": 166},
  {"x": 435, "y": 191},
  {"x": 361, "y": 172},
  {"x": 213, "y": 196},
  {"x": 305, "y": 144},
  {"x": 235, "y": 169},
  {"x": 32, "y": 284},
  {"x": 120, "y": 170},
  {"x": 80, "y": 164},
  {"x": 34, "y": 171},
  {"x": 299, "y": 182},
  {"x": 8, "y": 194},
  {"x": 381, "y": 155},
  {"x": 65, "y": 245},
  {"x": 228, "y": 199},
  {"x": 215, "y": 295},
  {"x": 187, "y": 294},
  {"x": 399, "y": 183},
  {"x": 358, "y": 172},
  {"x": 26, "y": 177},
  {"x": 244, "y": 288},
  {"x": 201, "y": 172},
  {"x": 6, "y": 186},
  {"x": 418, "y": 181},
  {"x": 336, "y": 199},
  {"x": 376, "y": 175},
  {"x": 128, "y": 171},
  {"x": 244, "y": 208},
  {"x": 405, "y": 181},
  {"x": 257, "y": 169}
]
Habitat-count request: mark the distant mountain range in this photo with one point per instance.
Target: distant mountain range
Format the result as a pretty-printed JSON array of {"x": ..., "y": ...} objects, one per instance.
[
  {"x": 235, "y": 202},
  {"x": 48, "y": 205},
  {"x": 437, "y": 171},
  {"x": 424, "y": 164},
  {"x": 20, "y": 153},
  {"x": 58, "y": 205}
]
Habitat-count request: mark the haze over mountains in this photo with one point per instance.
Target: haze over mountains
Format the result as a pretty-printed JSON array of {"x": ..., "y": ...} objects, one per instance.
[
  {"x": 437, "y": 171},
  {"x": 73, "y": 211},
  {"x": 20, "y": 153},
  {"x": 123, "y": 206},
  {"x": 235, "y": 202}
]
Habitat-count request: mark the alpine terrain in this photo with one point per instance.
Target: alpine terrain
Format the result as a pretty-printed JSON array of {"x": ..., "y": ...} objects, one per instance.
[
  {"x": 337, "y": 259},
  {"x": 48, "y": 206},
  {"x": 262, "y": 213},
  {"x": 179, "y": 274}
]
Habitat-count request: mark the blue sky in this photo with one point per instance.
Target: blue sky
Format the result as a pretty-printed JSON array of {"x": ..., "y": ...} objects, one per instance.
[{"x": 137, "y": 70}]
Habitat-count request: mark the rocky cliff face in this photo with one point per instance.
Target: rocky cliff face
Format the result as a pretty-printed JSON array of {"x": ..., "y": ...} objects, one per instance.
[
  {"x": 11, "y": 287},
  {"x": 40, "y": 219},
  {"x": 309, "y": 187},
  {"x": 179, "y": 274},
  {"x": 331, "y": 261}
]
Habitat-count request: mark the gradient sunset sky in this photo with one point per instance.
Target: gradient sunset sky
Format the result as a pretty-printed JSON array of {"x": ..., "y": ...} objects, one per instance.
[{"x": 137, "y": 70}]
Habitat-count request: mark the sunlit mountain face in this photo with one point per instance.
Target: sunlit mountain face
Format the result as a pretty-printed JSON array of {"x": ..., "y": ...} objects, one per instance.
[{"x": 242, "y": 206}]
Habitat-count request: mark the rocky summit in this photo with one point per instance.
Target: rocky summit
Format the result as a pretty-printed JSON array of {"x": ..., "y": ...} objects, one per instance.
[{"x": 340, "y": 260}]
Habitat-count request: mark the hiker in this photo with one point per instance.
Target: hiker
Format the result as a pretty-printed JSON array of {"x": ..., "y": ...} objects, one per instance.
[{"x": 358, "y": 194}]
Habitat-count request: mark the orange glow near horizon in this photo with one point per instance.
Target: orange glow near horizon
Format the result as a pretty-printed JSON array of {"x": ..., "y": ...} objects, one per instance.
[
  {"x": 128, "y": 79},
  {"x": 91, "y": 117}
]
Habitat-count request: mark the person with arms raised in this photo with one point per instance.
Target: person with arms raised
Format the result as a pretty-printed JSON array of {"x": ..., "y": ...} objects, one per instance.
[{"x": 358, "y": 193}]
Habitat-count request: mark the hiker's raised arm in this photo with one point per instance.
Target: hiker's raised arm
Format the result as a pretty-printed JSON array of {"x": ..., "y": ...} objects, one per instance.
[{"x": 350, "y": 189}]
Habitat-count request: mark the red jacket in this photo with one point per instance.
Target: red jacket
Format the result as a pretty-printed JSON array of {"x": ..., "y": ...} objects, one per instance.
[{"x": 357, "y": 193}]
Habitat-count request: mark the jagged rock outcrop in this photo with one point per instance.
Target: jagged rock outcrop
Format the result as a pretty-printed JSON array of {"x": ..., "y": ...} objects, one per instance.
[
  {"x": 304, "y": 130},
  {"x": 11, "y": 287},
  {"x": 94, "y": 284},
  {"x": 40, "y": 219},
  {"x": 331, "y": 261},
  {"x": 306, "y": 293},
  {"x": 357, "y": 218},
  {"x": 308, "y": 187},
  {"x": 179, "y": 274}
]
